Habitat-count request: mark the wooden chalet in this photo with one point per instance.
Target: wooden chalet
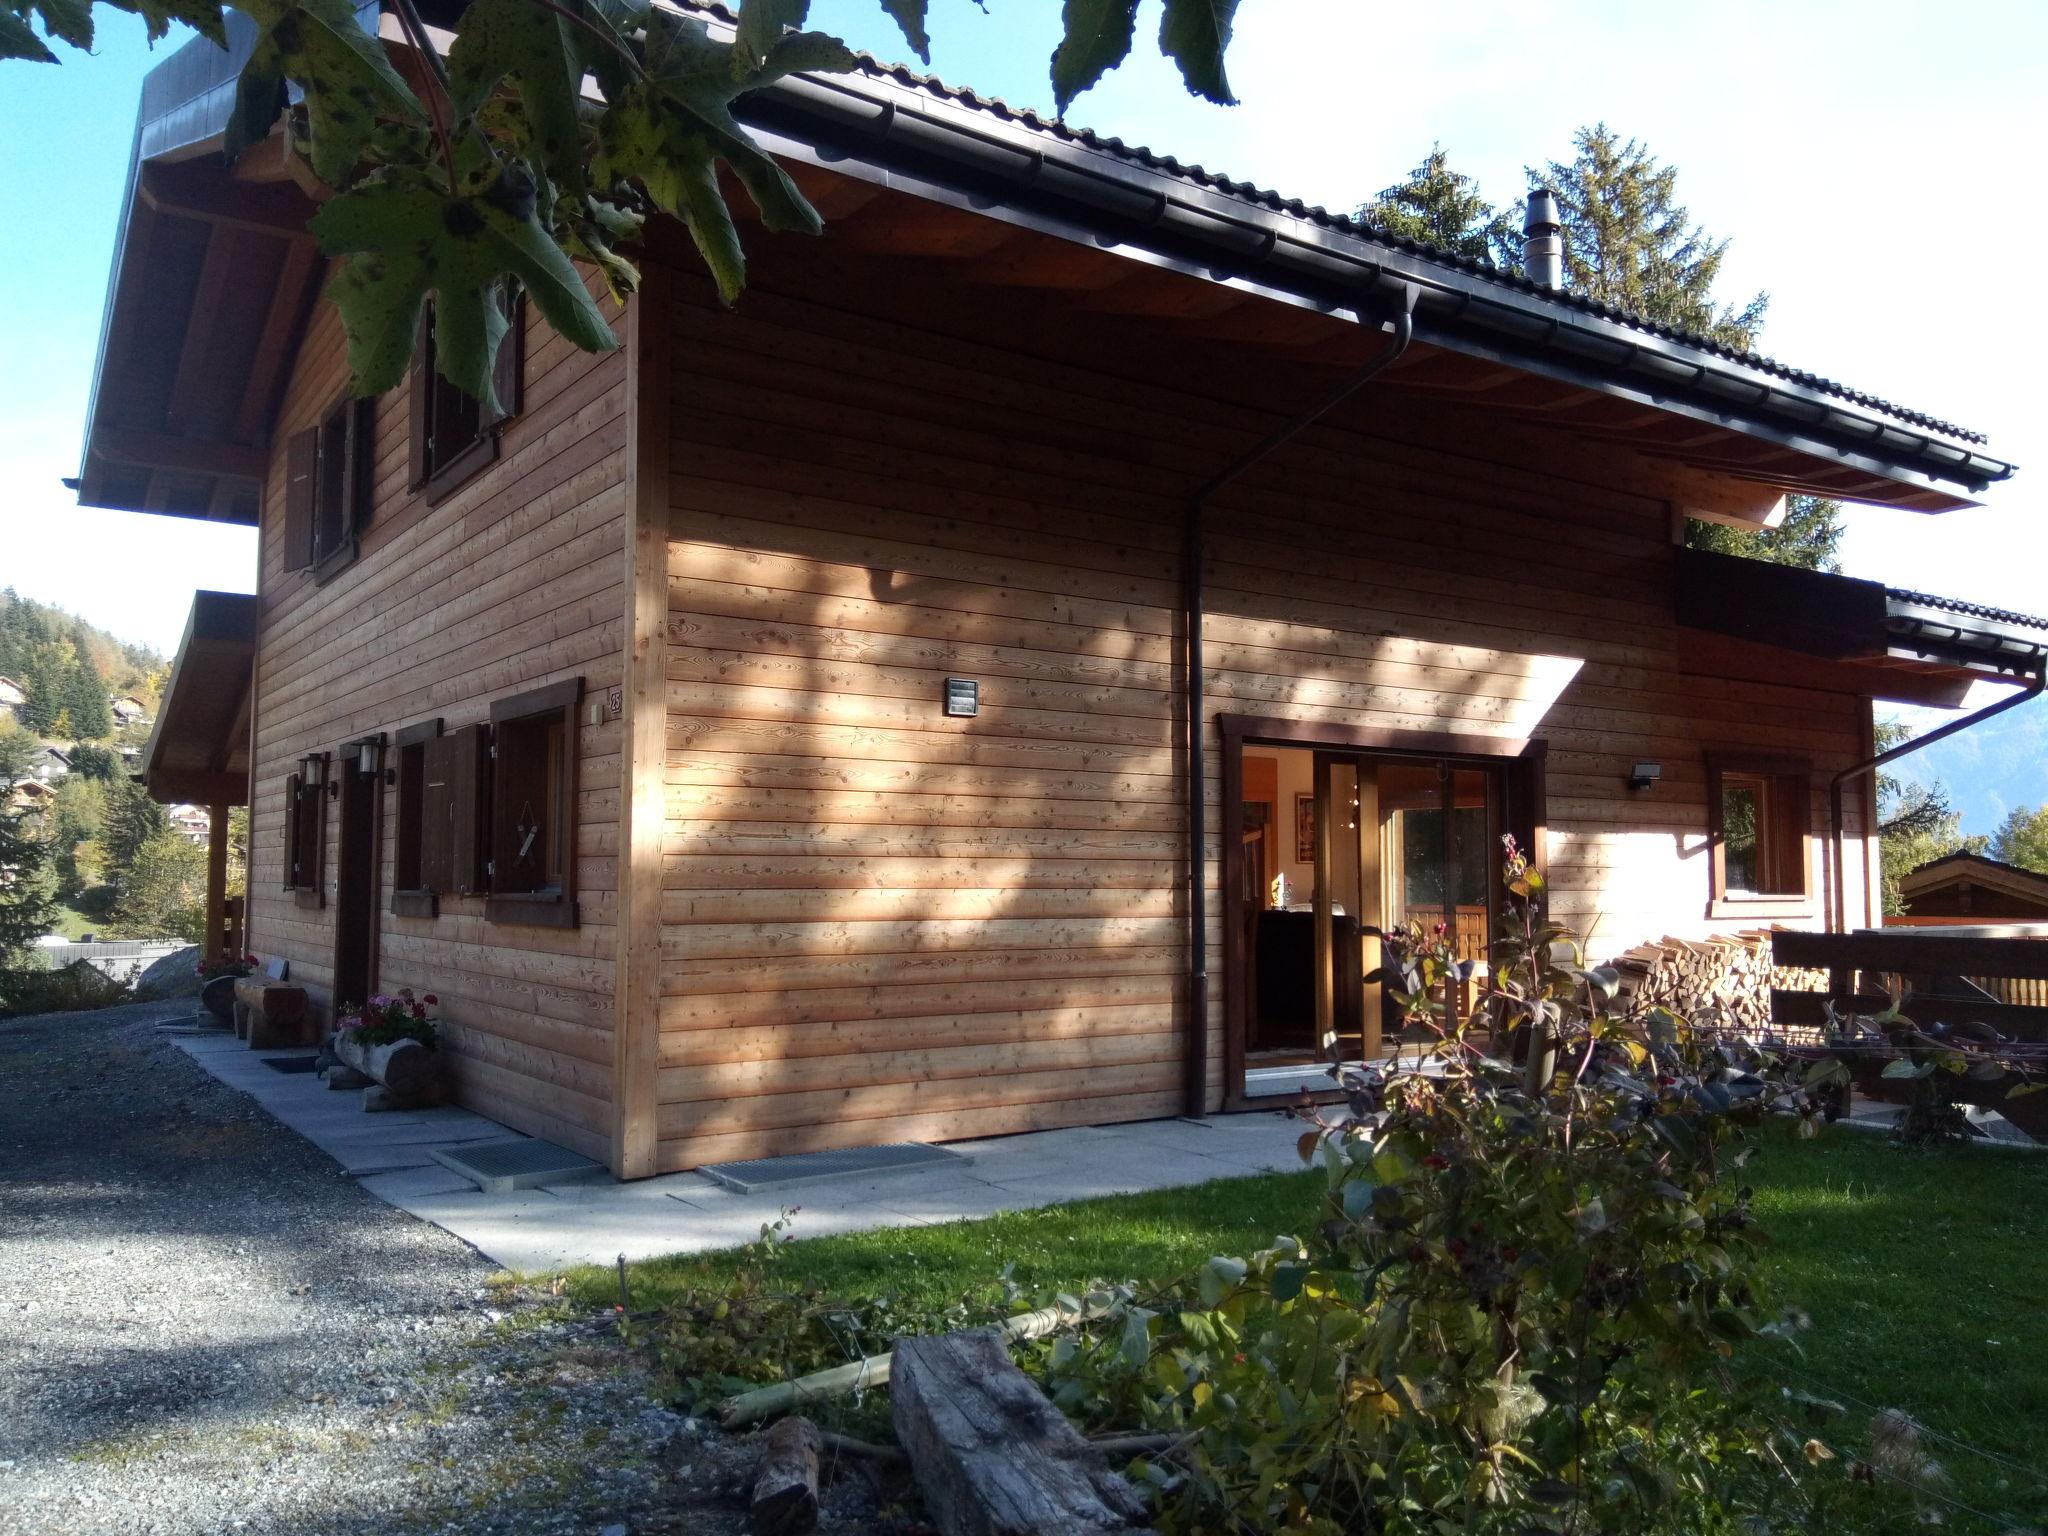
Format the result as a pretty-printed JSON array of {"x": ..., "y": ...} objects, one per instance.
[
  {"x": 1962, "y": 889},
  {"x": 774, "y": 734}
]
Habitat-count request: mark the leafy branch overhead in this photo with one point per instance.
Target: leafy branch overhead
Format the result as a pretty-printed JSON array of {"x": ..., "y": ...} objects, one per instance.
[{"x": 545, "y": 138}]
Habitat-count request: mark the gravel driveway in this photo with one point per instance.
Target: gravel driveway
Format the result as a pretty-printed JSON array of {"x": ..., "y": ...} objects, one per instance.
[{"x": 206, "y": 1327}]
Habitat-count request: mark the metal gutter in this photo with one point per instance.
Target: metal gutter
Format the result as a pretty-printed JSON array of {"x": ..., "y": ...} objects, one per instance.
[
  {"x": 2033, "y": 677},
  {"x": 1193, "y": 553}
]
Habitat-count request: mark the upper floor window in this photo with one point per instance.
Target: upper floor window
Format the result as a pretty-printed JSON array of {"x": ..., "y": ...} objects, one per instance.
[
  {"x": 327, "y": 488},
  {"x": 454, "y": 434}
]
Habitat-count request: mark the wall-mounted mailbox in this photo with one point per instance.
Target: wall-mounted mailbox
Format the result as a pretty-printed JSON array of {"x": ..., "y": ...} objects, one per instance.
[{"x": 963, "y": 696}]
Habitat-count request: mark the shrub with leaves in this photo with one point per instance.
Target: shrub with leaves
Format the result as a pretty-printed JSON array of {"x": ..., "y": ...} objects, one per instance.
[
  {"x": 1521, "y": 1308},
  {"x": 388, "y": 1020}
]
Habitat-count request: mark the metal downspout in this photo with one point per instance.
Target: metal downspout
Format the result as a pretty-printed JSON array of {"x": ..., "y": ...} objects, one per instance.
[
  {"x": 2034, "y": 681},
  {"x": 1193, "y": 551}
]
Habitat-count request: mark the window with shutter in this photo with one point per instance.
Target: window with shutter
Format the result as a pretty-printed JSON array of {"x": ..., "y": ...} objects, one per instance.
[
  {"x": 453, "y": 436},
  {"x": 327, "y": 488},
  {"x": 411, "y": 895},
  {"x": 533, "y": 807},
  {"x": 306, "y": 830}
]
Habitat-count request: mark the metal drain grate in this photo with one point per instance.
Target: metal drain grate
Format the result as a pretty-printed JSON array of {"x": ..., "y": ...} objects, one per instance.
[
  {"x": 815, "y": 1167},
  {"x": 499, "y": 1167},
  {"x": 290, "y": 1063}
]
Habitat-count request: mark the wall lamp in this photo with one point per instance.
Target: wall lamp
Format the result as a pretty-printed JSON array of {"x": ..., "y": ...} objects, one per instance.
[{"x": 1644, "y": 775}]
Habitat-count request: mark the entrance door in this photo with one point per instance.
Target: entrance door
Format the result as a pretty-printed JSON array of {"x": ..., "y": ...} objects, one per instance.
[
  {"x": 1382, "y": 839},
  {"x": 355, "y": 879}
]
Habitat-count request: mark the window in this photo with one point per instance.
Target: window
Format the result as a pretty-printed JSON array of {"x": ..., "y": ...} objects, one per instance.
[
  {"x": 453, "y": 434},
  {"x": 1759, "y": 811},
  {"x": 411, "y": 895},
  {"x": 327, "y": 488},
  {"x": 533, "y": 807},
  {"x": 305, "y": 830}
]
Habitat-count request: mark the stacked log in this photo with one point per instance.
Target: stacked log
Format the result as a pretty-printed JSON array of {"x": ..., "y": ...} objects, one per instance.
[{"x": 1724, "y": 980}]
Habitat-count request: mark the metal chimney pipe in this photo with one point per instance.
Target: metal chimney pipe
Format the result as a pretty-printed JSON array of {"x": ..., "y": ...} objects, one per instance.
[{"x": 1543, "y": 241}]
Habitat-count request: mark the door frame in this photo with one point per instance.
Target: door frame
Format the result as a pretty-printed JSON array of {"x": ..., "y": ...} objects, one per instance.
[
  {"x": 358, "y": 856},
  {"x": 1524, "y": 814}
]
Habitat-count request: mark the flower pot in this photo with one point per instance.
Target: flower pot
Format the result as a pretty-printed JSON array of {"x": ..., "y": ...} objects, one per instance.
[{"x": 217, "y": 997}]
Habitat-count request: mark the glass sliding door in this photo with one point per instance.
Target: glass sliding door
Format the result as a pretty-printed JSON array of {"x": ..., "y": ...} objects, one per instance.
[{"x": 1375, "y": 841}]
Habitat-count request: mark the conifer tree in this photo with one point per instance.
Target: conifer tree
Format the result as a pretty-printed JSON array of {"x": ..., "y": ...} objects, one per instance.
[
  {"x": 44, "y": 680},
  {"x": 85, "y": 698},
  {"x": 1629, "y": 243},
  {"x": 1441, "y": 207},
  {"x": 2022, "y": 838},
  {"x": 27, "y": 888},
  {"x": 1810, "y": 536}
]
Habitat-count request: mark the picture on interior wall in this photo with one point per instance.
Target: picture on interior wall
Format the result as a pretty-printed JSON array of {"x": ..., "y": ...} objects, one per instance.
[{"x": 1304, "y": 829}]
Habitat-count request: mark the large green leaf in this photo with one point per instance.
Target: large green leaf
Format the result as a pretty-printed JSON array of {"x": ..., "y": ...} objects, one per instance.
[
  {"x": 669, "y": 131},
  {"x": 348, "y": 82},
  {"x": 543, "y": 52},
  {"x": 202, "y": 16},
  {"x": 761, "y": 24},
  {"x": 67, "y": 20},
  {"x": 1095, "y": 38},
  {"x": 1195, "y": 34},
  {"x": 406, "y": 238},
  {"x": 18, "y": 40},
  {"x": 910, "y": 16}
]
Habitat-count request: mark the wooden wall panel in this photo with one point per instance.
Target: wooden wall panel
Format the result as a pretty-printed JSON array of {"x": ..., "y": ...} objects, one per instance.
[
  {"x": 880, "y": 922},
  {"x": 515, "y": 580}
]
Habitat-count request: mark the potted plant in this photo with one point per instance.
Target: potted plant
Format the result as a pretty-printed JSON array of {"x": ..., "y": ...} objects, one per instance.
[
  {"x": 217, "y": 978},
  {"x": 392, "y": 1039}
]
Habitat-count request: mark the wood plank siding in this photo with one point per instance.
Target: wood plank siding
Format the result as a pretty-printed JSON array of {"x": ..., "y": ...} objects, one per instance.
[
  {"x": 513, "y": 581},
  {"x": 882, "y": 923}
]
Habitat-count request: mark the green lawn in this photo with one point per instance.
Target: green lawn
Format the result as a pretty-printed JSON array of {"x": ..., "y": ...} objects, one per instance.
[{"x": 1925, "y": 1273}]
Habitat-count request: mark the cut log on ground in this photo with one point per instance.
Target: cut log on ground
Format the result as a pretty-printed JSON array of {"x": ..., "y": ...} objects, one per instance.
[
  {"x": 991, "y": 1455},
  {"x": 858, "y": 1375},
  {"x": 786, "y": 1483},
  {"x": 413, "y": 1073}
]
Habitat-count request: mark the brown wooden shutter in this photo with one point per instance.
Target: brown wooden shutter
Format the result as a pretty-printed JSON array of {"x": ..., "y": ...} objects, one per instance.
[
  {"x": 310, "y": 877},
  {"x": 453, "y": 804},
  {"x": 292, "y": 854},
  {"x": 508, "y": 369},
  {"x": 301, "y": 478}
]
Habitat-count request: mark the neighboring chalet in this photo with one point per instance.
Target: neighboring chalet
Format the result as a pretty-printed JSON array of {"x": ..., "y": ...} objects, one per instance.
[
  {"x": 773, "y": 735},
  {"x": 1964, "y": 889},
  {"x": 126, "y": 709},
  {"x": 13, "y": 698}
]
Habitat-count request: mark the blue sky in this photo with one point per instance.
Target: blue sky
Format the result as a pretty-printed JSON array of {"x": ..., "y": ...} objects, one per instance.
[{"x": 1877, "y": 165}]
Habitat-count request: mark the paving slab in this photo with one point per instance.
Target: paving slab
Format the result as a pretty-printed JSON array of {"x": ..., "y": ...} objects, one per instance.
[{"x": 592, "y": 1221}]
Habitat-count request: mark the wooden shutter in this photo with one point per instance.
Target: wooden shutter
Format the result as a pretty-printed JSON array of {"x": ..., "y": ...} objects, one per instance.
[
  {"x": 452, "y": 808},
  {"x": 308, "y": 877},
  {"x": 508, "y": 369},
  {"x": 301, "y": 477},
  {"x": 292, "y": 854},
  {"x": 421, "y": 387}
]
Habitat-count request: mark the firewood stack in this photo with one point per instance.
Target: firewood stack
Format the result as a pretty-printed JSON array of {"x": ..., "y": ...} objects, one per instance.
[{"x": 1725, "y": 980}]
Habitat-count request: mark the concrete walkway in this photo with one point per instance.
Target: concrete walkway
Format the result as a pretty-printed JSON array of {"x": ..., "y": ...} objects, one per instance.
[{"x": 593, "y": 1221}]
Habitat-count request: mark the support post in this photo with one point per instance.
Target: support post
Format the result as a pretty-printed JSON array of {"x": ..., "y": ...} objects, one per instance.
[
  {"x": 643, "y": 725},
  {"x": 216, "y": 880}
]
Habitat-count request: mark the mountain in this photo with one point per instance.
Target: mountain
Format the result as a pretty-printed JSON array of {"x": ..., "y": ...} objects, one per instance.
[
  {"x": 1989, "y": 768},
  {"x": 69, "y": 668}
]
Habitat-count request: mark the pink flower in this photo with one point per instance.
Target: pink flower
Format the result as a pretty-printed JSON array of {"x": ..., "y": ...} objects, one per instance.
[{"x": 431, "y": 1001}]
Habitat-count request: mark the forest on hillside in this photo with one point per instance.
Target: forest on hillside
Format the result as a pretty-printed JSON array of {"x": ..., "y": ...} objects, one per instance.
[{"x": 83, "y": 848}]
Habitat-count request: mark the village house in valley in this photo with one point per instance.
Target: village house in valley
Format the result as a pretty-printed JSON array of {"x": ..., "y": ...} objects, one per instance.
[{"x": 774, "y": 735}]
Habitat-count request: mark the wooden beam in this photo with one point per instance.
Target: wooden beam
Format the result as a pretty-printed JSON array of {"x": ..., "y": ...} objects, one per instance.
[
  {"x": 216, "y": 877},
  {"x": 643, "y": 811},
  {"x": 192, "y": 191},
  {"x": 160, "y": 450},
  {"x": 297, "y": 281}
]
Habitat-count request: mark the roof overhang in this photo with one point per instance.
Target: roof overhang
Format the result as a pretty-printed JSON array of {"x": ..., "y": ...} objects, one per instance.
[
  {"x": 1969, "y": 869},
  {"x": 198, "y": 752},
  {"x": 1902, "y": 647},
  {"x": 213, "y": 278}
]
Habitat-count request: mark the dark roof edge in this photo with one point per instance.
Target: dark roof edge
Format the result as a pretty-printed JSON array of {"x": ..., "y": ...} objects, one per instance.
[
  {"x": 1947, "y": 629},
  {"x": 928, "y": 139}
]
